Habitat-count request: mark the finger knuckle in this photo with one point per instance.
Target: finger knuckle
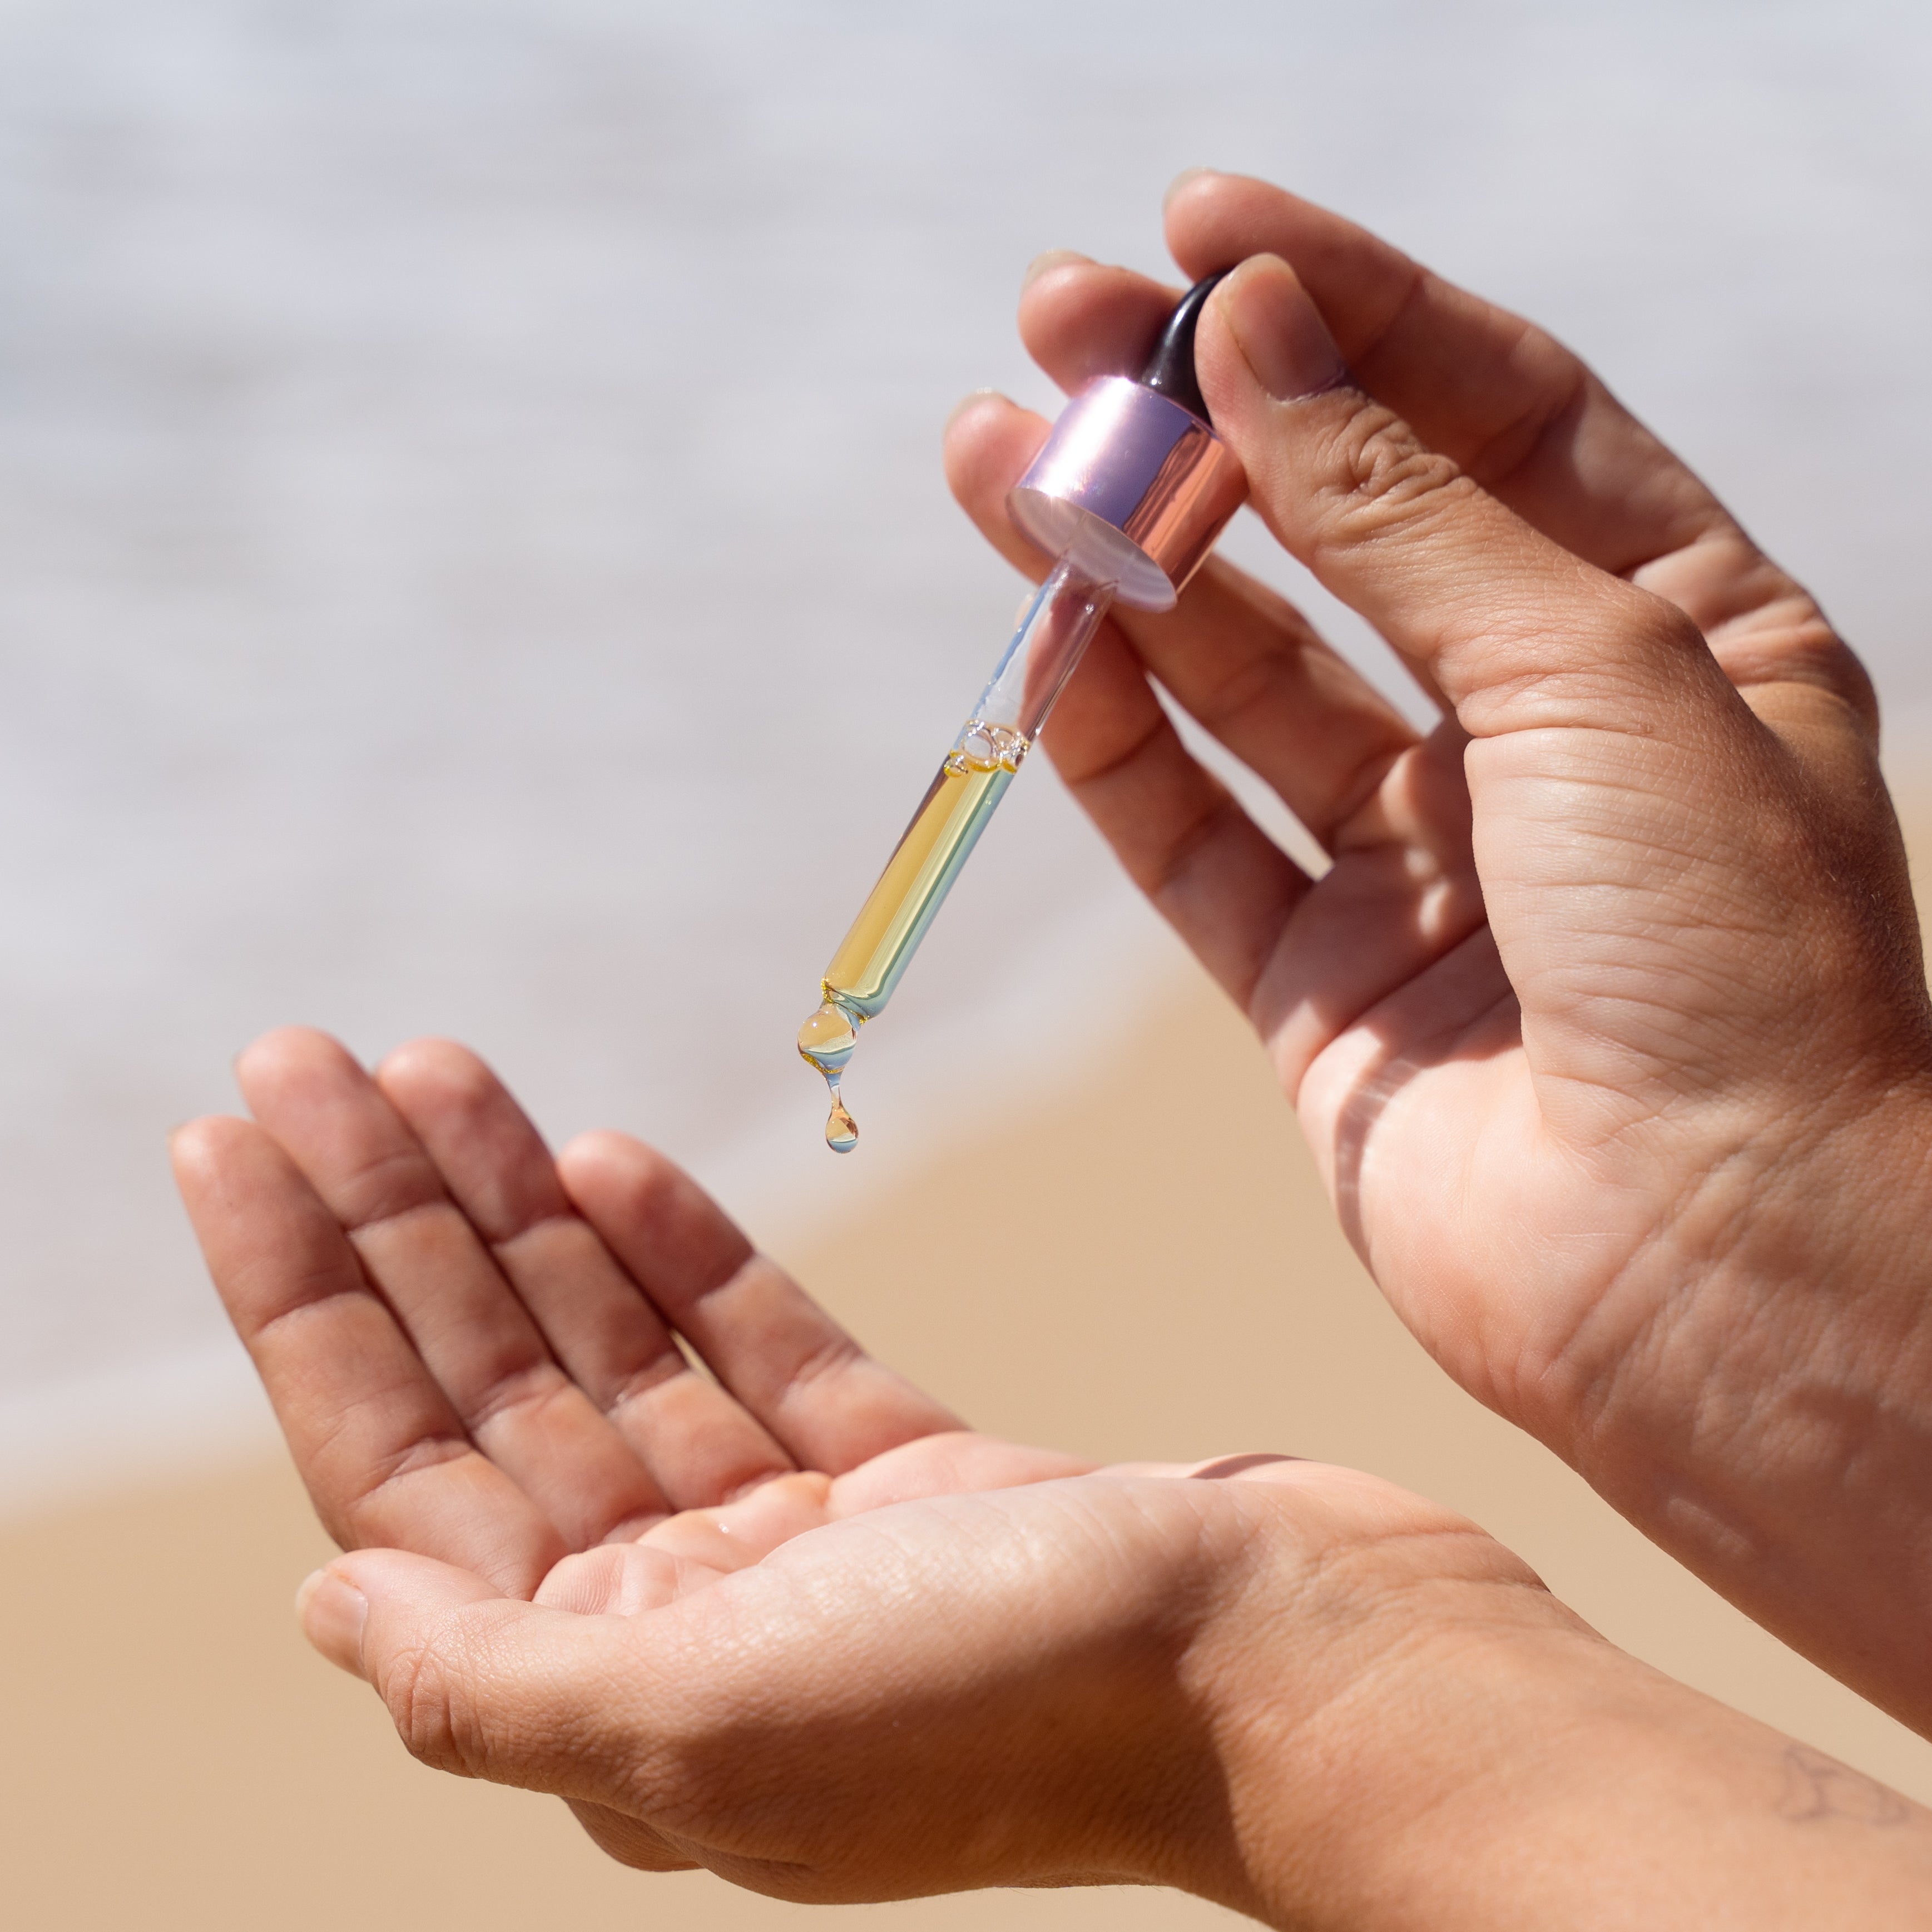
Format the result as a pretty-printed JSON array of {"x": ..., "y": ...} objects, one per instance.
[
  {"x": 1825, "y": 657},
  {"x": 1384, "y": 481},
  {"x": 1653, "y": 626},
  {"x": 425, "y": 1689},
  {"x": 1809, "y": 653}
]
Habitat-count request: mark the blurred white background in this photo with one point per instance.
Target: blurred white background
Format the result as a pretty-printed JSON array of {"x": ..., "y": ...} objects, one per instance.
[{"x": 473, "y": 557}]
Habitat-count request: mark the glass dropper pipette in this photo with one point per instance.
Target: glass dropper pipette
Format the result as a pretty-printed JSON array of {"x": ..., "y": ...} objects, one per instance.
[{"x": 1128, "y": 494}]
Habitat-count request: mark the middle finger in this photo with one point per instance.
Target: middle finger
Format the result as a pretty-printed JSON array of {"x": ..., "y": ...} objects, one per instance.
[
  {"x": 701, "y": 1444},
  {"x": 473, "y": 1335}
]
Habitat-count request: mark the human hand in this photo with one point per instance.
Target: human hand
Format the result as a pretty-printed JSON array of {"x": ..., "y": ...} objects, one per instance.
[
  {"x": 1287, "y": 1688},
  {"x": 759, "y": 1625},
  {"x": 1608, "y": 1024},
  {"x": 473, "y": 1348}
]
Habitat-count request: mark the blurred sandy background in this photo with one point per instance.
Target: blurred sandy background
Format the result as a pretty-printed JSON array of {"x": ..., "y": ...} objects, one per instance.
[{"x": 472, "y": 559}]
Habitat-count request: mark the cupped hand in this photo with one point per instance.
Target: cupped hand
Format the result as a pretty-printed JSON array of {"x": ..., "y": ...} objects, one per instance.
[
  {"x": 1607, "y": 1023},
  {"x": 632, "y": 1520},
  {"x": 828, "y": 1692},
  {"x": 1290, "y": 1688},
  {"x": 787, "y": 1620},
  {"x": 496, "y": 1358}
]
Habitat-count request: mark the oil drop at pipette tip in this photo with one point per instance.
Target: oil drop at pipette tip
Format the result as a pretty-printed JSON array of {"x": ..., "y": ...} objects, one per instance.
[{"x": 825, "y": 1041}]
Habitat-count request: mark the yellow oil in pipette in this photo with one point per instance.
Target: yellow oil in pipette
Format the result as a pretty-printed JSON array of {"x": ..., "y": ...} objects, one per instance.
[
  {"x": 893, "y": 920},
  {"x": 1054, "y": 631}
]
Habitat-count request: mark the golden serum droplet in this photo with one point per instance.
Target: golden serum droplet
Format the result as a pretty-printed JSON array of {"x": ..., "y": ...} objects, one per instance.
[
  {"x": 841, "y": 1131},
  {"x": 825, "y": 1041}
]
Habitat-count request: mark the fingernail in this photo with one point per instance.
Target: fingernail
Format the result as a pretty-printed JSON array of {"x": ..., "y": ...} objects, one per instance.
[
  {"x": 332, "y": 1614},
  {"x": 1054, "y": 258},
  {"x": 1180, "y": 181},
  {"x": 1279, "y": 330},
  {"x": 968, "y": 402}
]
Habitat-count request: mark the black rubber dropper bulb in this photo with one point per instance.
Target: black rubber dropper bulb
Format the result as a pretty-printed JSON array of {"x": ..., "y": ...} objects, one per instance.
[{"x": 1170, "y": 367}]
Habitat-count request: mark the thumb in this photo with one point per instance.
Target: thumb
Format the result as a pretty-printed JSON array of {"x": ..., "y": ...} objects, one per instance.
[
  {"x": 478, "y": 1683},
  {"x": 1514, "y": 630}
]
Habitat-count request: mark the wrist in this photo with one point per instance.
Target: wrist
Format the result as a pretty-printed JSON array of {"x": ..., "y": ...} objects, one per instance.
[
  {"x": 1343, "y": 1676},
  {"x": 1414, "y": 1734},
  {"x": 1771, "y": 1425}
]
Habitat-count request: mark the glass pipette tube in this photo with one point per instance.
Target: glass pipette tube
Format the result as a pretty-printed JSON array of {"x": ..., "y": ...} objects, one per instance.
[
  {"x": 1130, "y": 490},
  {"x": 1054, "y": 630}
]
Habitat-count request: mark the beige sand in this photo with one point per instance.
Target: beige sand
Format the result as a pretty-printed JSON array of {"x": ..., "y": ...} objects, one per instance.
[{"x": 1173, "y": 1284}]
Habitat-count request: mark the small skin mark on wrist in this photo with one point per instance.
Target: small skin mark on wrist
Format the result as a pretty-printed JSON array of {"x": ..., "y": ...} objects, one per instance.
[{"x": 1817, "y": 1786}]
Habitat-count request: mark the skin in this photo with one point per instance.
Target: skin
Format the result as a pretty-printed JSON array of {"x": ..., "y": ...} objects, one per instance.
[
  {"x": 790, "y": 1621},
  {"x": 1609, "y": 1026}
]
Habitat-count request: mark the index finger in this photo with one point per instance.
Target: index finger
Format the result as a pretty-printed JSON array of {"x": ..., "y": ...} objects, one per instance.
[{"x": 701, "y": 1445}]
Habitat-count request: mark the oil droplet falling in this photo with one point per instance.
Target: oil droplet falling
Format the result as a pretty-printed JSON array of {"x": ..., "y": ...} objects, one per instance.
[
  {"x": 841, "y": 1131},
  {"x": 825, "y": 1041}
]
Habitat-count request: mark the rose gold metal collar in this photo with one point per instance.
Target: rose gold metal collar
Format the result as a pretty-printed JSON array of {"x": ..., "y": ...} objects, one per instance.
[{"x": 1132, "y": 487}]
